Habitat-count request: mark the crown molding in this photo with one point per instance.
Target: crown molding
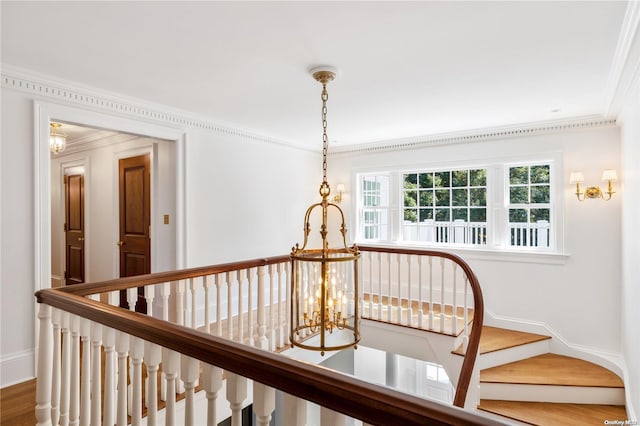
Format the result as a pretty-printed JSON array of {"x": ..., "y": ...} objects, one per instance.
[
  {"x": 479, "y": 135},
  {"x": 68, "y": 92},
  {"x": 625, "y": 66}
]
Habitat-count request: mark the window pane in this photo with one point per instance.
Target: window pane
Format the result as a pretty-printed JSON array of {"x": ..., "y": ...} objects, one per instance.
[
  {"x": 442, "y": 180},
  {"x": 426, "y": 180},
  {"x": 410, "y": 181},
  {"x": 540, "y": 214},
  {"x": 410, "y": 215},
  {"x": 540, "y": 174},
  {"x": 426, "y": 214},
  {"x": 518, "y": 195},
  {"x": 478, "y": 177},
  {"x": 518, "y": 175},
  {"x": 478, "y": 196},
  {"x": 461, "y": 214},
  {"x": 442, "y": 197},
  {"x": 460, "y": 197},
  {"x": 426, "y": 198},
  {"x": 460, "y": 178},
  {"x": 442, "y": 215},
  {"x": 410, "y": 198},
  {"x": 517, "y": 215},
  {"x": 540, "y": 194},
  {"x": 478, "y": 215}
]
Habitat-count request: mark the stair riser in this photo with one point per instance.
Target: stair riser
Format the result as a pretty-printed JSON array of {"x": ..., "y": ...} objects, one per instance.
[
  {"x": 505, "y": 356},
  {"x": 551, "y": 393}
]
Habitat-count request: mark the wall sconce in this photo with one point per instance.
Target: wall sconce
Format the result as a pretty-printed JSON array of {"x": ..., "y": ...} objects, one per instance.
[
  {"x": 340, "y": 189},
  {"x": 594, "y": 191}
]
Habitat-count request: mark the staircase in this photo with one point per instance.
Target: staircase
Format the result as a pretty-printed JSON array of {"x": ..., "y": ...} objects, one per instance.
[{"x": 520, "y": 380}]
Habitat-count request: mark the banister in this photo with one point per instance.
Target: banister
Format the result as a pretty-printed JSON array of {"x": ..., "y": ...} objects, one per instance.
[
  {"x": 371, "y": 403},
  {"x": 478, "y": 313}
]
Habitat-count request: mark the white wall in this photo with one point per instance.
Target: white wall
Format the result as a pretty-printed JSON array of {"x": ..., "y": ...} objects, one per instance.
[
  {"x": 578, "y": 295},
  {"x": 630, "y": 301},
  {"x": 244, "y": 198}
]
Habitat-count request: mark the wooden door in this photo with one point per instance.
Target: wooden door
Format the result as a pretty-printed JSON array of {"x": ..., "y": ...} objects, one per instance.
[
  {"x": 135, "y": 222},
  {"x": 74, "y": 229}
]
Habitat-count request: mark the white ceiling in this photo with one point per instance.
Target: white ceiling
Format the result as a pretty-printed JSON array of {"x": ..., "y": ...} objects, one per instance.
[{"x": 405, "y": 68}]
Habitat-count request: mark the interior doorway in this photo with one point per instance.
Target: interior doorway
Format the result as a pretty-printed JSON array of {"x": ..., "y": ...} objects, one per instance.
[{"x": 74, "y": 272}]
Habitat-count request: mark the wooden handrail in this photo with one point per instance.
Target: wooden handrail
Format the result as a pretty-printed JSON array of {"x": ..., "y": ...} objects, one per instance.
[
  {"x": 478, "y": 313},
  {"x": 339, "y": 392},
  {"x": 163, "y": 277}
]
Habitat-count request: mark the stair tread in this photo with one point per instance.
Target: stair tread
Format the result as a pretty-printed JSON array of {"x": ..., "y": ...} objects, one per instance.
[
  {"x": 550, "y": 413},
  {"x": 494, "y": 339},
  {"x": 552, "y": 369}
]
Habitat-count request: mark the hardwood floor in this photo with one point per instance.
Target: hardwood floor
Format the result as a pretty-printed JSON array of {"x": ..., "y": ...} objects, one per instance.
[
  {"x": 495, "y": 339},
  {"x": 17, "y": 404}
]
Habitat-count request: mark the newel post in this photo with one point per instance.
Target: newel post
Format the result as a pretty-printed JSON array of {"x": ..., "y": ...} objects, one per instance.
[{"x": 44, "y": 367}]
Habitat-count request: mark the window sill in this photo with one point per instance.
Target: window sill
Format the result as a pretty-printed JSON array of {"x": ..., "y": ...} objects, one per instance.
[{"x": 484, "y": 254}]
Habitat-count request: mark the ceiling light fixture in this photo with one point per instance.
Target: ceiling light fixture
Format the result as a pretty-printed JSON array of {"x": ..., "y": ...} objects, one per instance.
[
  {"x": 57, "y": 139},
  {"x": 325, "y": 299}
]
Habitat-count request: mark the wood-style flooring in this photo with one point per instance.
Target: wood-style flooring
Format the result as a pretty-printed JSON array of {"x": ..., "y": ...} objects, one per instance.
[{"x": 18, "y": 403}]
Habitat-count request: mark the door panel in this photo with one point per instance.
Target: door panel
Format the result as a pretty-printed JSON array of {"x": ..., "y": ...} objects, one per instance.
[
  {"x": 74, "y": 229},
  {"x": 135, "y": 221}
]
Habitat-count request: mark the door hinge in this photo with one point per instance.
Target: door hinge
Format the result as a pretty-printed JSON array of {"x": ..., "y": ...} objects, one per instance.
[{"x": 64, "y": 227}]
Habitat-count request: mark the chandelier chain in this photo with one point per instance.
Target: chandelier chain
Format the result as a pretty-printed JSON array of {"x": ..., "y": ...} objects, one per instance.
[{"x": 325, "y": 138}]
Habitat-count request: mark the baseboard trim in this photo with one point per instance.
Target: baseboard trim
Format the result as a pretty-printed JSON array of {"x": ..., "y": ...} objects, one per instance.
[{"x": 17, "y": 367}]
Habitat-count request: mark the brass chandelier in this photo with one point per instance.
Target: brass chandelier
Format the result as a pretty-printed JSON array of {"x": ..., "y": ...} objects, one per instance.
[{"x": 325, "y": 311}]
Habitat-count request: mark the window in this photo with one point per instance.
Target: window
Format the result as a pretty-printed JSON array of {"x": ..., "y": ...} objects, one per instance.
[
  {"x": 497, "y": 205},
  {"x": 445, "y": 206},
  {"x": 529, "y": 205},
  {"x": 374, "y": 218}
]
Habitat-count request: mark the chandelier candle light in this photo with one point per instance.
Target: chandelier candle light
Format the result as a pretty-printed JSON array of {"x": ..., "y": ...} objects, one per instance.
[{"x": 325, "y": 311}]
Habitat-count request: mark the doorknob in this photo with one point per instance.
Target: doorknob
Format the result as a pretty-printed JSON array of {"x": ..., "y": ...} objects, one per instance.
[
  {"x": 120, "y": 243},
  {"x": 80, "y": 238}
]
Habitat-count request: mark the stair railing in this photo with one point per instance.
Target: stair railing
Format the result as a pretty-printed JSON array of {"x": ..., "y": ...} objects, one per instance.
[
  {"x": 429, "y": 290},
  {"x": 244, "y": 301}
]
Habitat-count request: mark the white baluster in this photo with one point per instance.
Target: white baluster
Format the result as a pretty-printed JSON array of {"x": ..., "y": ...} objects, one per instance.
[
  {"x": 55, "y": 376},
  {"x": 399, "y": 287},
  {"x": 96, "y": 374},
  {"x": 295, "y": 410},
  {"x": 442, "y": 305},
  {"x": 264, "y": 402},
  {"x": 211, "y": 382},
  {"x": 274, "y": 285},
  {"x": 250, "y": 284},
  {"x": 190, "y": 372},
  {"x": 410, "y": 303},
  {"x": 218, "y": 281},
  {"x": 170, "y": 365},
  {"x": 331, "y": 418},
  {"x": 85, "y": 375},
  {"x": 379, "y": 286},
  {"x": 369, "y": 256},
  {"x": 122, "y": 349},
  {"x": 180, "y": 303},
  {"x": 137, "y": 353},
  {"x": 74, "y": 382},
  {"x": 389, "y": 306},
  {"x": 240, "y": 337},
  {"x": 132, "y": 298},
  {"x": 44, "y": 371},
  {"x": 229, "y": 306},
  {"x": 465, "y": 338},
  {"x": 420, "y": 298},
  {"x": 152, "y": 356},
  {"x": 165, "y": 292},
  {"x": 109, "y": 336},
  {"x": 114, "y": 298},
  {"x": 454, "y": 307},
  {"x": 207, "y": 282},
  {"x": 285, "y": 284},
  {"x": 149, "y": 296},
  {"x": 236, "y": 394},
  {"x": 65, "y": 372},
  {"x": 262, "y": 342},
  {"x": 430, "y": 292},
  {"x": 194, "y": 301}
]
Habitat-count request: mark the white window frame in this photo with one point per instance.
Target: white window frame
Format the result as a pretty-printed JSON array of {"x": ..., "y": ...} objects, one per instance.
[{"x": 498, "y": 233}]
